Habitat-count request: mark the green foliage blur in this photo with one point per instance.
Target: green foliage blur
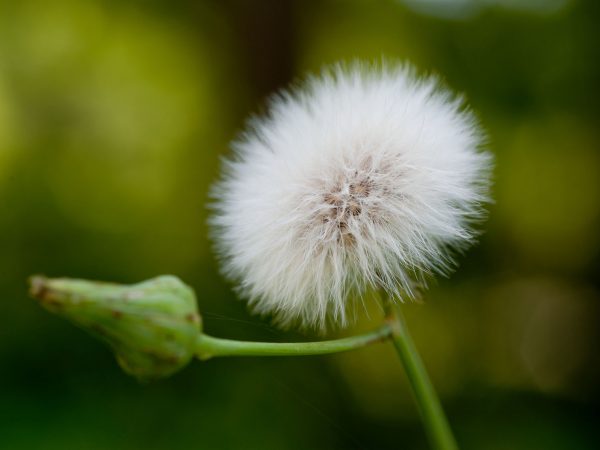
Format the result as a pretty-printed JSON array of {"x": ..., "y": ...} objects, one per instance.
[{"x": 113, "y": 117}]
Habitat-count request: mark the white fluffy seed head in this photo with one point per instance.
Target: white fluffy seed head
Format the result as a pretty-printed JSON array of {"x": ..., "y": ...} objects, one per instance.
[{"x": 363, "y": 178}]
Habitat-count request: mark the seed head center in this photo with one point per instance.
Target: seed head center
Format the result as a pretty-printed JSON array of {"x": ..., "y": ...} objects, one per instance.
[{"x": 345, "y": 203}]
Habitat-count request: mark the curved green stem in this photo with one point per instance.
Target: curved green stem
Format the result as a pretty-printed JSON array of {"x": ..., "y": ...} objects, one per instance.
[
  {"x": 435, "y": 422},
  {"x": 210, "y": 347}
]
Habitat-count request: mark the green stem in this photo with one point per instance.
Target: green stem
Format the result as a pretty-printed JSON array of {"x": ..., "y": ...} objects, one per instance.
[
  {"x": 435, "y": 422},
  {"x": 210, "y": 347}
]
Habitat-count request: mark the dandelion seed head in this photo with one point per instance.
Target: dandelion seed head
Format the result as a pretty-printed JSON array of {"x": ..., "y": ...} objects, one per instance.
[{"x": 365, "y": 177}]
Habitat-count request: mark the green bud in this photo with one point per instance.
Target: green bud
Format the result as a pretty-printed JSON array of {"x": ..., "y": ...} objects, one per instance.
[{"x": 151, "y": 326}]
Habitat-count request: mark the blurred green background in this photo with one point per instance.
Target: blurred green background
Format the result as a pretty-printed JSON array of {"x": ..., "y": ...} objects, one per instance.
[{"x": 113, "y": 117}]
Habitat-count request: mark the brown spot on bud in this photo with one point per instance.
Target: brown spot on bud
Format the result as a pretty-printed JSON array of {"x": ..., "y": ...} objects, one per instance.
[
  {"x": 192, "y": 318},
  {"x": 38, "y": 288}
]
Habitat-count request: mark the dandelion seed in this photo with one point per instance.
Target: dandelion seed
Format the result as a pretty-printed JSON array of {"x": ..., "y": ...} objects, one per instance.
[{"x": 363, "y": 178}]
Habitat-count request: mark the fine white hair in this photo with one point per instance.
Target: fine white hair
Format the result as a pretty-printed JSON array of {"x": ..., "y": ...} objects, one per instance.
[{"x": 365, "y": 177}]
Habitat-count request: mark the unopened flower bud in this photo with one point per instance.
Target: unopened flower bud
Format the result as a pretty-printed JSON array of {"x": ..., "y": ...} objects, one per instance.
[{"x": 151, "y": 326}]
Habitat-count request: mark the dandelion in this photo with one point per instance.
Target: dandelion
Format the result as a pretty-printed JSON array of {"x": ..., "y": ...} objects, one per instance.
[{"x": 366, "y": 177}]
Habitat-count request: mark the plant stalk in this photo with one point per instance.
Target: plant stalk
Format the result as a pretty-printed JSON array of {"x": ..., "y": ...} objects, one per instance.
[
  {"x": 210, "y": 347},
  {"x": 436, "y": 425}
]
